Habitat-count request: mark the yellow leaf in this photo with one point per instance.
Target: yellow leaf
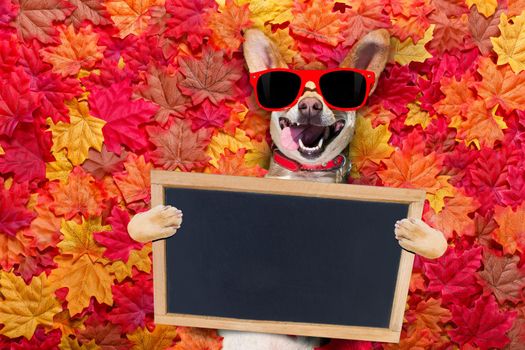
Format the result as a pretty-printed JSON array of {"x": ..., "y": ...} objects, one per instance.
[
  {"x": 369, "y": 143},
  {"x": 78, "y": 239},
  {"x": 437, "y": 198},
  {"x": 485, "y": 7},
  {"x": 67, "y": 324},
  {"x": 286, "y": 44},
  {"x": 416, "y": 116},
  {"x": 259, "y": 155},
  {"x": 271, "y": 11},
  {"x": 1, "y": 150},
  {"x": 67, "y": 343},
  {"x": 84, "y": 279},
  {"x": 131, "y": 16},
  {"x": 221, "y": 141},
  {"x": 406, "y": 51},
  {"x": 161, "y": 338},
  {"x": 76, "y": 51},
  {"x": 60, "y": 168},
  {"x": 83, "y": 132},
  {"x": 510, "y": 45},
  {"x": 137, "y": 258},
  {"x": 24, "y": 307}
]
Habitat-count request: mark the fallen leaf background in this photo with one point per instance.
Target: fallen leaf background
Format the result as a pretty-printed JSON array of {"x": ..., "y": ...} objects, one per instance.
[{"x": 96, "y": 93}]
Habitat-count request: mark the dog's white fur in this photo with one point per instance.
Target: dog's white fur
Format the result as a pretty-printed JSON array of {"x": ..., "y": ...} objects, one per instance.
[{"x": 261, "y": 53}]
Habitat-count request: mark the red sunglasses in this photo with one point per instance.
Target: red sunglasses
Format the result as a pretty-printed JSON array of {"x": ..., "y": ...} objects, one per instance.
[{"x": 344, "y": 89}]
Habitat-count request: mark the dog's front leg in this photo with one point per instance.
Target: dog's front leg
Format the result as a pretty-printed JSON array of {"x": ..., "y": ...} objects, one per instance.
[
  {"x": 416, "y": 236},
  {"x": 159, "y": 222}
]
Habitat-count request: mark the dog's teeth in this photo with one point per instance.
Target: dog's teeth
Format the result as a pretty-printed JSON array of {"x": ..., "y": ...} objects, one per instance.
[
  {"x": 301, "y": 144},
  {"x": 320, "y": 144}
]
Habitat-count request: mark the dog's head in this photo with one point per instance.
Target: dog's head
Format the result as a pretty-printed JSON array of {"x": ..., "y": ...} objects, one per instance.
[{"x": 318, "y": 133}]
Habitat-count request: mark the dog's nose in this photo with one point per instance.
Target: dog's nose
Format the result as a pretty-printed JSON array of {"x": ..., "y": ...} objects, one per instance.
[{"x": 310, "y": 107}]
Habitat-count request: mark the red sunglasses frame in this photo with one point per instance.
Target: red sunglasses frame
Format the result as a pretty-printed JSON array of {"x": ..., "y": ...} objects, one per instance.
[{"x": 314, "y": 76}]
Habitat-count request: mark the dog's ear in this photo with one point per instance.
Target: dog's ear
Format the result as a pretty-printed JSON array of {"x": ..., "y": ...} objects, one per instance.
[
  {"x": 370, "y": 53},
  {"x": 260, "y": 52}
]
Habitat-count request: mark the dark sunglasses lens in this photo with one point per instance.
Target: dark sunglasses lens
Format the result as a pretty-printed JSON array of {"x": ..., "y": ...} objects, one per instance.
[
  {"x": 343, "y": 89},
  {"x": 278, "y": 89}
]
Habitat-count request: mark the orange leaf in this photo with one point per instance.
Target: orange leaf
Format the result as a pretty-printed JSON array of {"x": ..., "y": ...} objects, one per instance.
[
  {"x": 458, "y": 96},
  {"x": 363, "y": 17},
  {"x": 130, "y": 16},
  {"x": 412, "y": 170},
  {"x": 198, "y": 339},
  {"x": 235, "y": 164},
  {"x": 161, "y": 338},
  {"x": 228, "y": 24},
  {"x": 80, "y": 196},
  {"x": 482, "y": 126},
  {"x": 78, "y": 239},
  {"x": 511, "y": 231},
  {"x": 454, "y": 216},
  {"x": 429, "y": 312},
  {"x": 76, "y": 50},
  {"x": 14, "y": 248},
  {"x": 500, "y": 85},
  {"x": 134, "y": 183},
  {"x": 316, "y": 21},
  {"x": 45, "y": 227}
]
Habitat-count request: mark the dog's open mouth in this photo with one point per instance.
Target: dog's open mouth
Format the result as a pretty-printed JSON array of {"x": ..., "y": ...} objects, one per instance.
[{"x": 310, "y": 140}]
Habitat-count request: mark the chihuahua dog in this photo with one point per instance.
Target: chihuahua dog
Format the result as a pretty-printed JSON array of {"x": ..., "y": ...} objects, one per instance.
[{"x": 310, "y": 140}]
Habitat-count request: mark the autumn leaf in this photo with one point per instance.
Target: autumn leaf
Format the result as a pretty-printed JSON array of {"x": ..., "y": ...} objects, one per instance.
[
  {"x": 116, "y": 238},
  {"x": 24, "y": 307},
  {"x": 363, "y": 17},
  {"x": 35, "y": 18},
  {"x": 450, "y": 32},
  {"x": 454, "y": 216},
  {"x": 133, "y": 304},
  {"x": 221, "y": 141},
  {"x": 78, "y": 239},
  {"x": 510, "y": 45},
  {"x": 46, "y": 226},
  {"x": 188, "y": 18},
  {"x": 67, "y": 343},
  {"x": 134, "y": 182},
  {"x": 161, "y": 338},
  {"x": 79, "y": 135},
  {"x": 179, "y": 147},
  {"x": 500, "y": 86},
  {"x": 84, "y": 279},
  {"x": 14, "y": 214},
  {"x": 482, "y": 29},
  {"x": 210, "y": 77},
  {"x": 458, "y": 97},
  {"x": 227, "y": 25},
  {"x": 130, "y": 17},
  {"x": 430, "y": 313},
  {"x": 197, "y": 338},
  {"x": 104, "y": 162},
  {"x": 502, "y": 277},
  {"x": 106, "y": 335},
  {"x": 235, "y": 164},
  {"x": 80, "y": 195},
  {"x": 17, "y": 102},
  {"x": 88, "y": 10},
  {"x": 123, "y": 116},
  {"x": 417, "y": 116},
  {"x": 482, "y": 126},
  {"x": 316, "y": 21},
  {"x": 76, "y": 51},
  {"x": 406, "y": 51},
  {"x": 437, "y": 199},
  {"x": 515, "y": 7},
  {"x": 453, "y": 275},
  {"x": 369, "y": 143},
  {"x": 511, "y": 228},
  {"x": 162, "y": 89},
  {"x": 138, "y": 259},
  {"x": 60, "y": 168},
  {"x": 483, "y": 325},
  {"x": 485, "y": 7},
  {"x": 208, "y": 116}
]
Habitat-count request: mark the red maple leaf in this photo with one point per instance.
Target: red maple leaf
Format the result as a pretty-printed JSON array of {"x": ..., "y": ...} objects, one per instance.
[
  {"x": 179, "y": 147},
  {"x": 14, "y": 214},
  {"x": 34, "y": 265},
  {"x": 340, "y": 344},
  {"x": 482, "y": 325},
  {"x": 123, "y": 116},
  {"x": 17, "y": 103},
  {"x": 26, "y": 153},
  {"x": 210, "y": 77},
  {"x": 453, "y": 275},
  {"x": 189, "y": 17},
  {"x": 107, "y": 335},
  {"x": 209, "y": 116},
  {"x": 41, "y": 340},
  {"x": 133, "y": 304},
  {"x": 400, "y": 80},
  {"x": 516, "y": 193},
  {"x": 118, "y": 243}
]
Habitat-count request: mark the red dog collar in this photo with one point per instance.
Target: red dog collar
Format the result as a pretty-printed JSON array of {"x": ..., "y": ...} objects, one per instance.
[{"x": 292, "y": 165}]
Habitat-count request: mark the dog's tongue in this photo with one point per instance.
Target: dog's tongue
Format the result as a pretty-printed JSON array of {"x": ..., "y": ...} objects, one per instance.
[{"x": 290, "y": 136}]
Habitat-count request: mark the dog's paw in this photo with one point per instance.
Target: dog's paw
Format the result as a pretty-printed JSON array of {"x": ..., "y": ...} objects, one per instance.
[
  {"x": 416, "y": 236},
  {"x": 156, "y": 223}
]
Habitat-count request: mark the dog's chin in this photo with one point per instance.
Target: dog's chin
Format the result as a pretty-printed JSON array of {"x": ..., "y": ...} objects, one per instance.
[{"x": 312, "y": 141}]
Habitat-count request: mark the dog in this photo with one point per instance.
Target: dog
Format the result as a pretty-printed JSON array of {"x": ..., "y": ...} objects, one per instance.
[{"x": 314, "y": 152}]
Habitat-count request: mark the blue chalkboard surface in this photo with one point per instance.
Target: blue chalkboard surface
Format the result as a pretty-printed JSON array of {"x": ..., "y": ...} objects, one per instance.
[{"x": 278, "y": 257}]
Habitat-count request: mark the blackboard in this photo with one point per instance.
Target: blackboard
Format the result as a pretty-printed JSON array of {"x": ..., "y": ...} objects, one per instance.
[{"x": 259, "y": 252}]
